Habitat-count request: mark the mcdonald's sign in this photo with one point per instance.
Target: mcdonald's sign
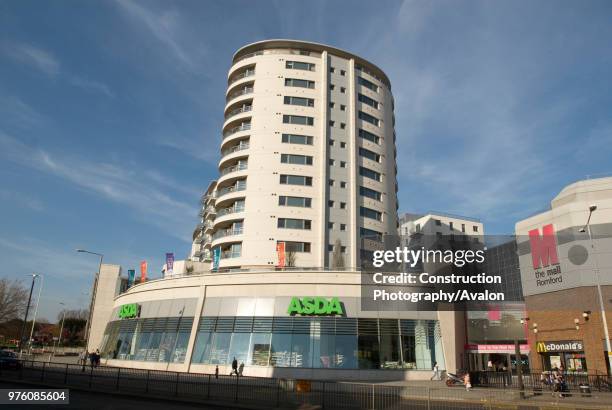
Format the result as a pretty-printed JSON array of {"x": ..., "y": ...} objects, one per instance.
[{"x": 560, "y": 346}]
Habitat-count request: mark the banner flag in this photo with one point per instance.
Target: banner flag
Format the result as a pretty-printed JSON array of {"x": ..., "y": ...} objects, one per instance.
[
  {"x": 131, "y": 276},
  {"x": 143, "y": 271},
  {"x": 216, "y": 258},
  {"x": 169, "y": 263},
  {"x": 280, "y": 250}
]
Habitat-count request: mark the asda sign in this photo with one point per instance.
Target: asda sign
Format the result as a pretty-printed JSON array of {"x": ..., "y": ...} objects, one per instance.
[
  {"x": 315, "y": 306},
  {"x": 129, "y": 311}
]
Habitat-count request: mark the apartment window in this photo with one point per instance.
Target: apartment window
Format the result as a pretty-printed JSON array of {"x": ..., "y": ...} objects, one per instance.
[
  {"x": 366, "y": 153},
  {"x": 343, "y": 227},
  {"x": 299, "y": 65},
  {"x": 475, "y": 228},
  {"x": 332, "y": 87},
  {"x": 330, "y": 225},
  {"x": 367, "y": 84},
  {"x": 370, "y": 193},
  {"x": 297, "y": 201},
  {"x": 463, "y": 228},
  {"x": 342, "y": 184},
  {"x": 331, "y": 143},
  {"x": 296, "y": 159},
  {"x": 331, "y": 105},
  {"x": 296, "y": 246},
  {"x": 370, "y": 233},
  {"x": 342, "y": 90},
  {"x": 290, "y": 223},
  {"x": 331, "y": 123},
  {"x": 298, "y": 120},
  {"x": 330, "y": 204},
  {"x": 332, "y": 69},
  {"x": 296, "y": 82},
  {"x": 368, "y": 173},
  {"x": 342, "y": 164},
  {"x": 369, "y": 136},
  {"x": 297, "y": 139},
  {"x": 418, "y": 228},
  {"x": 342, "y": 72},
  {"x": 368, "y": 118},
  {"x": 370, "y": 213},
  {"x": 331, "y": 182},
  {"x": 342, "y": 107},
  {"x": 450, "y": 225},
  {"x": 342, "y": 125},
  {"x": 438, "y": 222},
  {"x": 331, "y": 162},
  {"x": 330, "y": 247},
  {"x": 295, "y": 180},
  {"x": 342, "y": 249},
  {"x": 343, "y": 145},
  {"x": 342, "y": 205},
  {"x": 305, "y": 102},
  {"x": 367, "y": 100}
]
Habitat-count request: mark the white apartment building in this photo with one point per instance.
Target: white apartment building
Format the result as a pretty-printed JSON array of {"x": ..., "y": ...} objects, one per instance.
[
  {"x": 307, "y": 158},
  {"x": 440, "y": 223}
]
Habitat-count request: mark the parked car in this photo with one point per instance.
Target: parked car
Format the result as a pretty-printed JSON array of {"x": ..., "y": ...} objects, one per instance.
[{"x": 9, "y": 360}]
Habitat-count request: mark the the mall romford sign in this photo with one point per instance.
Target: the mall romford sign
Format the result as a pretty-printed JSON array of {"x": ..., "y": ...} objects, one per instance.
[
  {"x": 315, "y": 306},
  {"x": 130, "y": 310}
]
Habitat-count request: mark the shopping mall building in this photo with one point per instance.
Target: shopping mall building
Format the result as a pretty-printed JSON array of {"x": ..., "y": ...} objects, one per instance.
[
  {"x": 565, "y": 256},
  {"x": 307, "y": 171}
]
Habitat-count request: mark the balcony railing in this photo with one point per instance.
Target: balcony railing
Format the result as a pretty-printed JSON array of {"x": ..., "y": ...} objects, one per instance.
[
  {"x": 242, "y": 127},
  {"x": 206, "y": 197},
  {"x": 240, "y": 147},
  {"x": 229, "y": 189},
  {"x": 231, "y": 210},
  {"x": 211, "y": 210},
  {"x": 239, "y": 110},
  {"x": 227, "y": 232},
  {"x": 233, "y": 168},
  {"x": 244, "y": 57},
  {"x": 231, "y": 254},
  {"x": 244, "y": 74},
  {"x": 237, "y": 93}
]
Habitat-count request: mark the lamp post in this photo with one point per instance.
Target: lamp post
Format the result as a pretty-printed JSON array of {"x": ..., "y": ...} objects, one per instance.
[
  {"x": 42, "y": 281},
  {"x": 25, "y": 319},
  {"x": 59, "y": 338},
  {"x": 93, "y": 297},
  {"x": 587, "y": 228}
]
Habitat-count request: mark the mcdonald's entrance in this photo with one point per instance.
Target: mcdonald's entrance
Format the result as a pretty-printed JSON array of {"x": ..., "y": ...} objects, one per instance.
[{"x": 566, "y": 354}]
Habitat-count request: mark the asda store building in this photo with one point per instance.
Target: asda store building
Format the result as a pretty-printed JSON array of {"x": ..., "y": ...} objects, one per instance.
[{"x": 295, "y": 324}]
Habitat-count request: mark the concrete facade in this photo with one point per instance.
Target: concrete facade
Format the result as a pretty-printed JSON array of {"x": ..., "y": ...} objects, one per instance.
[{"x": 108, "y": 286}]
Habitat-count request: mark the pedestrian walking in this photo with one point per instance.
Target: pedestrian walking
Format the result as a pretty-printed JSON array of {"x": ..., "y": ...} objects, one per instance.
[
  {"x": 97, "y": 358},
  {"x": 234, "y": 367},
  {"x": 217, "y": 372},
  {"x": 241, "y": 369},
  {"x": 467, "y": 381},
  {"x": 436, "y": 372}
]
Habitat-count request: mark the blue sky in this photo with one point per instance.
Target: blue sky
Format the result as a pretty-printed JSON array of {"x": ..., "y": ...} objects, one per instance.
[{"x": 110, "y": 114}]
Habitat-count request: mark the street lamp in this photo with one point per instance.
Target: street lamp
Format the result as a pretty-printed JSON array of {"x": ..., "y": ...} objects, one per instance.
[
  {"x": 42, "y": 281},
  {"x": 93, "y": 297},
  {"x": 59, "y": 338},
  {"x": 587, "y": 228},
  {"x": 25, "y": 319}
]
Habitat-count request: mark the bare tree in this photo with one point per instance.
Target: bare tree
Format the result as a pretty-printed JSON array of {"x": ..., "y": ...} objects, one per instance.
[
  {"x": 189, "y": 268},
  {"x": 13, "y": 299},
  {"x": 337, "y": 257}
]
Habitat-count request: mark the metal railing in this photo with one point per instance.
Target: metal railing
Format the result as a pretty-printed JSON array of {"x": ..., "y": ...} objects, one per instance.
[
  {"x": 239, "y": 92},
  {"x": 242, "y": 127},
  {"x": 287, "y": 393},
  {"x": 533, "y": 380},
  {"x": 247, "y": 73},
  {"x": 230, "y": 189},
  {"x": 235, "y": 148},
  {"x": 233, "y": 168},
  {"x": 227, "y": 232},
  {"x": 230, "y": 210},
  {"x": 239, "y": 110}
]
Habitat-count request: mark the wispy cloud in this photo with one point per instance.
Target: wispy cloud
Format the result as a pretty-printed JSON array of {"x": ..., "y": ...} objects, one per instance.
[
  {"x": 26, "y": 200},
  {"x": 139, "y": 191},
  {"x": 92, "y": 86},
  {"x": 16, "y": 112},
  {"x": 194, "y": 147},
  {"x": 35, "y": 57},
  {"x": 164, "y": 25}
]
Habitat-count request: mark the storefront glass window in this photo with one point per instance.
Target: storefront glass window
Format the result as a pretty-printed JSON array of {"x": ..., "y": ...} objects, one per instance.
[
  {"x": 346, "y": 352},
  {"x": 239, "y": 347},
  {"x": 368, "y": 352},
  {"x": 259, "y": 351},
  {"x": 219, "y": 351},
  {"x": 280, "y": 354},
  {"x": 300, "y": 351}
]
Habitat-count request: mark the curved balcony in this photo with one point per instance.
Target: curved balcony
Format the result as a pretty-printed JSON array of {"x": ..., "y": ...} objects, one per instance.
[
  {"x": 206, "y": 197},
  {"x": 207, "y": 241},
  {"x": 234, "y": 153},
  {"x": 233, "y": 168},
  {"x": 239, "y": 91},
  {"x": 235, "y": 148},
  {"x": 248, "y": 72},
  {"x": 241, "y": 109},
  {"x": 224, "y": 233},
  {"x": 242, "y": 127},
  {"x": 241, "y": 186}
]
